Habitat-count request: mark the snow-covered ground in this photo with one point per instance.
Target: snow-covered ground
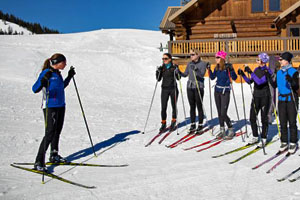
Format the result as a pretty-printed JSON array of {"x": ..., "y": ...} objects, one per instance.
[
  {"x": 115, "y": 78},
  {"x": 6, "y": 25}
]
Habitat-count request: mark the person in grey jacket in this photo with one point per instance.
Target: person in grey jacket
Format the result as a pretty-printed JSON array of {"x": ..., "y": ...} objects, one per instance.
[{"x": 198, "y": 67}]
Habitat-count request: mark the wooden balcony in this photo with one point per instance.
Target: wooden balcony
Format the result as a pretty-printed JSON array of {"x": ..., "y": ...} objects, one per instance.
[{"x": 236, "y": 47}]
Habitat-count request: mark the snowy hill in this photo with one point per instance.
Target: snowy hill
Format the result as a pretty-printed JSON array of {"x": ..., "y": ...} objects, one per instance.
[
  {"x": 115, "y": 78},
  {"x": 6, "y": 26}
]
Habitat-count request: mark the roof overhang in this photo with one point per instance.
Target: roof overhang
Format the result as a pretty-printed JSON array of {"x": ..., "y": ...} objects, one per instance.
[{"x": 287, "y": 15}]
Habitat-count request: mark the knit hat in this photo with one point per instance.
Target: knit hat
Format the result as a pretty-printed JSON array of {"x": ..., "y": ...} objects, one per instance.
[
  {"x": 221, "y": 54},
  {"x": 264, "y": 57},
  {"x": 287, "y": 56}
]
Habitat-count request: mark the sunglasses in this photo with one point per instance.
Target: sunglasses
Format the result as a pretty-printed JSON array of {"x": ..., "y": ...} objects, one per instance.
[
  {"x": 280, "y": 59},
  {"x": 165, "y": 58},
  {"x": 218, "y": 57},
  {"x": 192, "y": 54},
  {"x": 258, "y": 60}
]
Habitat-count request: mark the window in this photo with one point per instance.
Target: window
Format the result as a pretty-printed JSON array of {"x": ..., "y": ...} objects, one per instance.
[
  {"x": 294, "y": 30},
  {"x": 257, "y": 5},
  {"x": 274, "y": 5}
]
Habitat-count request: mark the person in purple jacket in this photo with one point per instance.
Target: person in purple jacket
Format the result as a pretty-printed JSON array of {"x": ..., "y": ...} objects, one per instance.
[
  {"x": 261, "y": 96},
  {"x": 51, "y": 82}
]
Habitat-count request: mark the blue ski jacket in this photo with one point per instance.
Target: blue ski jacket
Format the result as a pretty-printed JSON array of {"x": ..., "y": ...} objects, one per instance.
[
  {"x": 223, "y": 79},
  {"x": 55, "y": 90}
]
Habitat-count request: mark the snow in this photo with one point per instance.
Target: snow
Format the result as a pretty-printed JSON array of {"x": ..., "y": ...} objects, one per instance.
[
  {"x": 4, "y": 26},
  {"x": 115, "y": 78}
]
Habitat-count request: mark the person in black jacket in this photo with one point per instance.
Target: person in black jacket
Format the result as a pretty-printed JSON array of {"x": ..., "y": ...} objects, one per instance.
[{"x": 168, "y": 73}]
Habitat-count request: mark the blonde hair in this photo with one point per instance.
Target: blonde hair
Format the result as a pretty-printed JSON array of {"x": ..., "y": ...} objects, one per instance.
[{"x": 196, "y": 51}]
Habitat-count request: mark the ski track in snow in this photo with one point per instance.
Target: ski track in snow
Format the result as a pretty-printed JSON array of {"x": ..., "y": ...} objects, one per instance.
[{"x": 115, "y": 78}]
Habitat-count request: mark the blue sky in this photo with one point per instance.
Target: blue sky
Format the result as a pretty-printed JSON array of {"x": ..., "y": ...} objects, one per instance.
[{"x": 70, "y": 16}]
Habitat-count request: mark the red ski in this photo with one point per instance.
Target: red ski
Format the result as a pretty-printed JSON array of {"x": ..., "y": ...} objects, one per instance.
[{"x": 156, "y": 136}]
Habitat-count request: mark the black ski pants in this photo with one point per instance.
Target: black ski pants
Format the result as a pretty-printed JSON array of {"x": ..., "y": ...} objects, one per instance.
[
  {"x": 222, "y": 103},
  {"x": 194, "y": 101},
  {"x": 261, "y": 104},
  {"x": 288, "y": 114},
  {"x": 165, "y": 94},
  {"x": 53, "y": 126}
]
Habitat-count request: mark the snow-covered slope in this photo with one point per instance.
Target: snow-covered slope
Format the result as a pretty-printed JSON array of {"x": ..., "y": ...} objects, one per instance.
[
  {"x": 5, "y": 26},
  {"x": 115, "y": 78}
]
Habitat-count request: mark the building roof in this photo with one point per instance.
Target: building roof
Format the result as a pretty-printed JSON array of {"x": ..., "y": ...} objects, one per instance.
[
  {"x": 185, "y": 8},
  {"x": 282, "y": 18},
  {"x": 165, "y": 23}
]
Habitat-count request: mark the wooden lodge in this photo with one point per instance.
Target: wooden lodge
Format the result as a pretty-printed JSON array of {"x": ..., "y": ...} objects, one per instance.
[{"x": 242, "y": 28}]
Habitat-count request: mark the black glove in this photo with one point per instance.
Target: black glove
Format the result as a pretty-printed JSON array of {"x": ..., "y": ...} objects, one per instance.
[
  {"x": 240, "y": 72},
  {"x": 208, "y": 66},
  {"x": 247, "y": 69},
  {"x": 45, "y": 79},
  {"x": 229, "y": 67},
  {"x": 71, "y": 72},
  {"x": 288, "y": 78},
  {"x": 193, "y": 67},
  {"x": 158, "y": 72}
]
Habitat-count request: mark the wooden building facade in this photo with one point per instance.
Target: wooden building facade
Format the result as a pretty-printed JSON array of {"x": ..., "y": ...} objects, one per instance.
[{"x": 242, "y": 28}]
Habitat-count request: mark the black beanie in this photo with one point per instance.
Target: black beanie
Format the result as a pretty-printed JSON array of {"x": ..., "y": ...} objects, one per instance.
[
  {"x": 287, "y": 56},
  {"x": 58, "y": 59}
]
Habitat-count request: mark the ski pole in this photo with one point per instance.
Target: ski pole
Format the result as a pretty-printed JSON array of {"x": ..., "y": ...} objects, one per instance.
[
  {"x": 85, "y": 121},
  {"x": 294, "y": 100},
  {"x": 237, "y": 113},
  {"x": 180, "y": 86},
  {"x": 210, "y": 101},
  {"x": 256, "y": 116},
  {"x": 242, "y": 89},
  {"x": 151, "y": 103},
  {"x": 175, "y": 90},
  {"x": 46, "y": 125},
  {"x": 200, "y": 95}
]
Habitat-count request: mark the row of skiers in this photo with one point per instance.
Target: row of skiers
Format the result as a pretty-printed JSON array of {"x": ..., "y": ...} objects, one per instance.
[{"x": 264, "y": 79}]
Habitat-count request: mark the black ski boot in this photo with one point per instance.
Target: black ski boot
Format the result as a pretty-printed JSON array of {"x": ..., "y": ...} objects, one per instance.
[
  {"x": 173, "y": 125},
  {"x": 55, "y": 158},
  {"x": 40, "y": 167},
  {"x": 163, "y": 127},
  {"x": 199, "y": 129},
  {"x": 192, "y": 128}
]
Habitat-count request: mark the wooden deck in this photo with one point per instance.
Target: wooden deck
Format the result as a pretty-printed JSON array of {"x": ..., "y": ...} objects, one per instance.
[{"x": 236, "y": 47}]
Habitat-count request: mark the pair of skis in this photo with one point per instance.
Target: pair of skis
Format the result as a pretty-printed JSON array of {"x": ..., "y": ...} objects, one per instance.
[
  {"x": 213, "y": 142},
  {"x": 51, "y": 175},
  {"x": 168, "y": 130},
  {"x": 188, "y": 137}
]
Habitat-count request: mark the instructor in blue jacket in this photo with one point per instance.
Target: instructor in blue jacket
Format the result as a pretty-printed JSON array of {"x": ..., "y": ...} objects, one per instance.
[{"x": 51, "y": 82}]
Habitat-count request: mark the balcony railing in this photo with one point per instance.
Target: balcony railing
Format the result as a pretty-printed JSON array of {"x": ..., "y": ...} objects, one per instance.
[{"x": 236, "y": 47}]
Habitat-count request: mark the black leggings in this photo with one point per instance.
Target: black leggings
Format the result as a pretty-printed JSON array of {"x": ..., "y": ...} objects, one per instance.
[
  {"x": 165, "y": 94},
  {"x": 222, "y": 102},
  {"x": 288, "y": 114},
  {"x": 261, "y": 104},
  {"x": 54, "y": 125},
  {"x": 194, "y": 100}
]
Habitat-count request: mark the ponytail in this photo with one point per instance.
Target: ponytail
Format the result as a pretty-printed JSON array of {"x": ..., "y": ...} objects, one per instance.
[{"x": 47, "y": 64}]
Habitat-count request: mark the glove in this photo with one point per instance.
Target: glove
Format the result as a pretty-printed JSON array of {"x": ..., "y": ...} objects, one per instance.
[
  {"x": 229, "y": 67},
  {"x": 71, "y": 72},
  {"x": 158, "y": 72},
  {"x": 267, "y": 74},
  {"x": 288, "y": 78},
  {"x": 240, "y": 72},
  {"x": 45, "y": 79},
  {"x": 193, "y": 67},
  {"x": 247, "y": 69},
  {"x": 208, "y": 66}
]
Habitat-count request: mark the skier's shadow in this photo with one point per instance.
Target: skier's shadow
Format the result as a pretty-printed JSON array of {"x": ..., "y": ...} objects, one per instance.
[{"x": 112, "y": 142}]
